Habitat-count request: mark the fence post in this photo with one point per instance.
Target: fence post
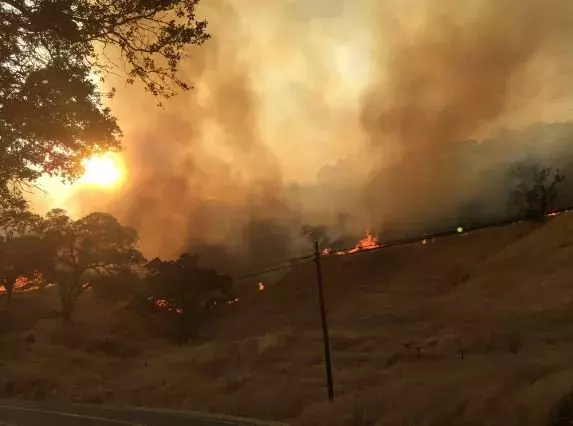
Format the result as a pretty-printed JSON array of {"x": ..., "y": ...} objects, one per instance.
[{"x": 327, "y": 360}]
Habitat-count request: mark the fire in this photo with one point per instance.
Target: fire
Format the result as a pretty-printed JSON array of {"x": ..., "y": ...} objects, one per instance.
[
  {"x": 166, "y": 306},
  {"x": 261, "y": 286},
  {"x": 24, "y": 284},
  {"x": 368, "y": 242}
]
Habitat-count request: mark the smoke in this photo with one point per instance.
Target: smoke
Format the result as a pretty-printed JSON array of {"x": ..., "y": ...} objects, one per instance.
[
  {"x": 306, "y": 111},
  {"x": 450, "y": 78},
  {"x": 200, "y": 171}
]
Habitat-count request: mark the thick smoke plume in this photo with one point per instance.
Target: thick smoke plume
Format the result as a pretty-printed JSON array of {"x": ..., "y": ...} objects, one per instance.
[
  {"x": 442, "y": 82},
  {"x": 306, "y": 110}
]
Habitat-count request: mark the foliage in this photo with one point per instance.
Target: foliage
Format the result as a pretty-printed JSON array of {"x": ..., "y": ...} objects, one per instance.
[
  {"x": 116, "y": 285},
  {"x": 23, "y": 256},
  {"x": 537, "y": 188},
  {"x": 51, "y": 110},
  {"x": 22, "y": 250},
  {"x": 96, "y": 243},
  {"x": 187, "y": 290}
]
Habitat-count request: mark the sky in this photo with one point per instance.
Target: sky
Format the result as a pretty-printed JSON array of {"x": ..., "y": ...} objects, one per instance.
[{"x": 330, "y": 93}]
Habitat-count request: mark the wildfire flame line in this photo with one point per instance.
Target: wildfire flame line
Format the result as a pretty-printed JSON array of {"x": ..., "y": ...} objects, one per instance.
[{"x": 368, "y": 242}]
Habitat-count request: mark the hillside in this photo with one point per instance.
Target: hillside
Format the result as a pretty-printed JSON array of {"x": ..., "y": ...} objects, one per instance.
[{"x": 472, "y": 329}]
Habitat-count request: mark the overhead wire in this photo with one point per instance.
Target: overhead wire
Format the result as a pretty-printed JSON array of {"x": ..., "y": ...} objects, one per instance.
[{"x": 290, "y": 262}]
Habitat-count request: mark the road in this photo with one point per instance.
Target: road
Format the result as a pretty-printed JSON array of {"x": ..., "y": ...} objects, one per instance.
[{"x": 18, "y": 413}]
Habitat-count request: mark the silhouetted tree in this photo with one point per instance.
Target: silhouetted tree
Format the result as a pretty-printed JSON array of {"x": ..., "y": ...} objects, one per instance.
[
  {"x": 187, "y": 290},
  {"x": 120, "y": 283},
  {"x": 52, "y": 114},
  {"x": 96, "y": 243},
  {"x": 22, "y": 250},
  {"x": 24, "y": 256},
  {"x": 537, "y": 188}
]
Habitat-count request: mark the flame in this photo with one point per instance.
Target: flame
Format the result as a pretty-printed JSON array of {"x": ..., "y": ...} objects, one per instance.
[
  {"x": 262, "y": 286},
  {"x": 368, "y": 242},
  {"x": 24, "y": 284},
  {"x": 166, "y": 306}
]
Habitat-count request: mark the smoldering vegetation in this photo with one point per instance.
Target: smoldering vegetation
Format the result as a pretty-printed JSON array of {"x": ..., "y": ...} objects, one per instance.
[{"x": 349, "y": 115}]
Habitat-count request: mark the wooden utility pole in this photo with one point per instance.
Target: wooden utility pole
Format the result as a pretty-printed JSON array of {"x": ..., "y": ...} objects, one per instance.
[{"x": 327, "y": 360}]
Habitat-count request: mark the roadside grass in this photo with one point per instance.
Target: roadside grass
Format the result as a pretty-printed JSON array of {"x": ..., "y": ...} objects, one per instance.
[{"x": 473, "y": 329}]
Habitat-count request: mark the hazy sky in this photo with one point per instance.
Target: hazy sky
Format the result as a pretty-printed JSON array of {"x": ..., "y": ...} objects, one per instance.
[{"x": 287, "y": 88}]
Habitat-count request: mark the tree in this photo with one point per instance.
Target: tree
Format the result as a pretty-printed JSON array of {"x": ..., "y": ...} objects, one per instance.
[
  {"x": 95, "y": 244},
  {"x": 23, "y": 256},
  {"x": 22, "y": 250},
  {"x": 117, "y": 284},
  {"x": 187, "y": 290},
  {"x": 537, "y": 188},
  {"x": 52, "y": 51}
]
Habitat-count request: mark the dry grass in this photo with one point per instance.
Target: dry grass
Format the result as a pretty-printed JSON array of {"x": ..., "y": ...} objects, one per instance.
[{"x": 470, "y": 330}]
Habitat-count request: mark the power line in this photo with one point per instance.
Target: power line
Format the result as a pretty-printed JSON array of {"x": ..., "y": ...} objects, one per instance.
[
  {"x": 290, "y": 262},
  {"x": 423, "y": 237}
]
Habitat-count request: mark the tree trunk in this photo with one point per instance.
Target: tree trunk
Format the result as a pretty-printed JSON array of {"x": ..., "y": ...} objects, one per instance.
[
  {"x": 67, "y": 307},
  {"x": 10, "y": 282},
  {"x": 66, "y": 313},
  {"x": 69, "y": 298}
]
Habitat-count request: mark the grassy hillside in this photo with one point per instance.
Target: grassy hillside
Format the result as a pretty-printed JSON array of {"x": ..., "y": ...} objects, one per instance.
[{"x": 472, "y": 329}]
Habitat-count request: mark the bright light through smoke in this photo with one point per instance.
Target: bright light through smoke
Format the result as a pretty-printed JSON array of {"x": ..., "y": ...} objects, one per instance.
[{"x": 101, "y": 170}]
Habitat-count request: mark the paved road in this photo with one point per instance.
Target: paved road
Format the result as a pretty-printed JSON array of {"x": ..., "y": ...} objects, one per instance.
[{"x": 17, "y": 413}]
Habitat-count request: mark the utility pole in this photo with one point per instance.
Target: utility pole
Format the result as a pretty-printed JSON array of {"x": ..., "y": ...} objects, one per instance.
[{"x": 327, "y": 361}]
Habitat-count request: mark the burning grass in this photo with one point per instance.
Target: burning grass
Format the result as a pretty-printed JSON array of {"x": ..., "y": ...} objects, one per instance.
[
  {"x": 473, "y": 329},
  {"x": 368, "y": 242}
]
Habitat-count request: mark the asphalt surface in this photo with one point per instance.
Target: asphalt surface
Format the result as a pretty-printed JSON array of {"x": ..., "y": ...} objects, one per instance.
[{"x": 18, "y": 413}]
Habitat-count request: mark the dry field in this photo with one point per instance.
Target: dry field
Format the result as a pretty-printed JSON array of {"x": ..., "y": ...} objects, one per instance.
[{"x": 473, "y": 329}]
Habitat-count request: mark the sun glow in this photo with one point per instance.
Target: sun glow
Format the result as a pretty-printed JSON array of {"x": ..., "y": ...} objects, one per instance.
[{"x": 102, "y": 170}]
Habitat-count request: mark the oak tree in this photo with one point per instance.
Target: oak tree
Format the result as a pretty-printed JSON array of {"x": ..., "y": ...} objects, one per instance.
[
  {"x": 186, "y": 290},
  {"x": 52, "y": 53},
  {"x": 22, "y": 250},
  {"x": 94, "y": 244}
]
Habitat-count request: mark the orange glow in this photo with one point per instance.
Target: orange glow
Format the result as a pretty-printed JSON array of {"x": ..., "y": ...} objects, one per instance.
[
  {"x": 24, "y": 284},
  {"x": 261, "y": 286},
  {"x": 102, "y": 170},
  {"x": 166, "y": 306},
  {"x": 368, "y": 242}
]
